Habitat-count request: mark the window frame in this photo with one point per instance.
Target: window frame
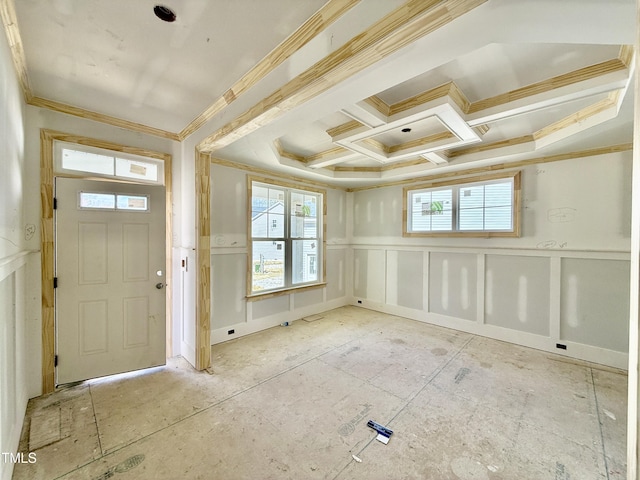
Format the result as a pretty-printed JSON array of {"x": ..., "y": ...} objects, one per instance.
[
  {"x": 288, "y": 287},
  {"x": 458, "y": 184}
]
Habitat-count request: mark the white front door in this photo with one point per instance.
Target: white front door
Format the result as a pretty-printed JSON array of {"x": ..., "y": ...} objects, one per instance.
[{"x": 110, "y": 262}]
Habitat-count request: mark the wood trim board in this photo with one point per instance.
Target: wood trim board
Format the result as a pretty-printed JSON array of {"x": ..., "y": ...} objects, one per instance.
[{"x": 203, "y": 260}]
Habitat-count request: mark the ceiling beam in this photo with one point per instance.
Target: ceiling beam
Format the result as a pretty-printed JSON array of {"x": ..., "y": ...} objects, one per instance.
[
  {"x": 316, "y": 24},
  {"x": 413, "y": 20}
]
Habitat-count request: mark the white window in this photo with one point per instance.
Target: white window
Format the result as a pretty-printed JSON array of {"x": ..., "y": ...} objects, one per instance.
[
  {"x": 483, "y": 206},
  {"x": 75, "y": 159},
  {"x": 286, "y": 231},
  {"x": 113, "y": 201}
]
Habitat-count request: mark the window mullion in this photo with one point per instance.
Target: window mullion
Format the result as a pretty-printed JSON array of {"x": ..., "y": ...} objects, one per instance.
[
  {"x": 288, "y": 246},
  {"x": 484, "y": 207},
  {"x": 455, "y": 200}
]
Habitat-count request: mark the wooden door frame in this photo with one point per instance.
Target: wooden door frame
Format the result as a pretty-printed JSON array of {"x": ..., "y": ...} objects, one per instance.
[
  {"x": 203, "y": 260},
  {"x": 47, "y": 168}
]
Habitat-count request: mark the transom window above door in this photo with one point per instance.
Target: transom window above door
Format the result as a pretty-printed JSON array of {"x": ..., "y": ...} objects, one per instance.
[{"x": 80, "y": 160}]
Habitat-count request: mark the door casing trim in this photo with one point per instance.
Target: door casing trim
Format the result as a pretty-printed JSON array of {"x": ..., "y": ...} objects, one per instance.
[{"x": 47, "y": 139}]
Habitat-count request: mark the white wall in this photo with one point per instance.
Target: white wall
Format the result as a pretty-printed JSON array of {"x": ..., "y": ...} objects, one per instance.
[
  {"x": 229, "y": 308},
  {"x": 565, "y": 280},
  {"x": 15, "y": 263}
]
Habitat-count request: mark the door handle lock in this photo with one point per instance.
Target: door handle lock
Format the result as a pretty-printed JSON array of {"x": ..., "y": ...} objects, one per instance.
[{"x": 160, "y": 286}]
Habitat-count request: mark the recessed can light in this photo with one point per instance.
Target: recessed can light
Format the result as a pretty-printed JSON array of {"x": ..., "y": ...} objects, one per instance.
[{"x": 164, "y": 13}]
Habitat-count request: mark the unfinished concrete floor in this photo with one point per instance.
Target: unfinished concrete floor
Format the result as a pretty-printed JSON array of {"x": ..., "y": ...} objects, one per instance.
[{"x": 293, "y": 403}]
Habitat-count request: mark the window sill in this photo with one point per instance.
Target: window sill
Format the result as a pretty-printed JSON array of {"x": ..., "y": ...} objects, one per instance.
[
  {"x": 287, "y": 291},
  {"x": 475, "y": 234}
]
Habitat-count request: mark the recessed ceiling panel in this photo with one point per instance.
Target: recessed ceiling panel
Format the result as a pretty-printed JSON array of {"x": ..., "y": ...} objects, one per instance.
[
  {"x": 499, "y": 68},
  {"x": 311, "y": 138},
  {"x": 518, "y": 126},
  {"x": 423, "y": 128}
]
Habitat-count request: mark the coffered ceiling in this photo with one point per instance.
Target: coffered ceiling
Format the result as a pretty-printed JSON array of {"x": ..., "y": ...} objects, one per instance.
[{"x": 350, "y": 92}]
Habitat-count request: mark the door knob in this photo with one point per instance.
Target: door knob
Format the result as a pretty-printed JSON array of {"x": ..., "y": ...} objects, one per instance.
[{"x": 160, "y": 285}]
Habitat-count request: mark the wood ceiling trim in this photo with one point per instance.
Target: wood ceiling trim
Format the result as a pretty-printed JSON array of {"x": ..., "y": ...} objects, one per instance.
[
  {"x": 550, "y": 84},
  {"x": 570, "y": 121},
  {"x": 501, "y": 166},
  {"x": 99, "y": 117},
  {"x": 10, "y": 24},
  {"x": 379, "y": 104},
  {"x": 272, "y": 174},
  {"x": 357, "y": 169},
  {"x": 283, "y": 153},
  {"x": 408, "y": 163},
  {"x": 317, "y": 23},
  {"x": 626, "y": 55},
  {"x": 491, "y": 146},
  {"x": 344, "y": 128},
  {"x": 447, "y": 89},
  {"x": 578, "y": 117},
  {"x": 459, "y": 97},
  {"x": 383, "y": 168},
  {"x": 292, "y": 156},
  {"x": 451, "y": 90},
  {"x": 411, "y": 21},
  {"x": 482, "y": 129},
  {"x": 488, "y": 177},
  {"x": 376, "y": 145},
  {"x": 327, "y": 153}
]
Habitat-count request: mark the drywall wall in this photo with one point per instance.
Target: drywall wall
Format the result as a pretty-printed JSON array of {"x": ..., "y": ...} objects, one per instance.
[
  {"x": 453, "y": 284},
  {"x": 564, "y": 281},
  {"x": 15, "y": 262},
  {"x": 594, "y": 307},
  {"x": 518, "y": 292},
  {"x": 562, "y": 204},
  {"x": 230, "y": 310}
]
